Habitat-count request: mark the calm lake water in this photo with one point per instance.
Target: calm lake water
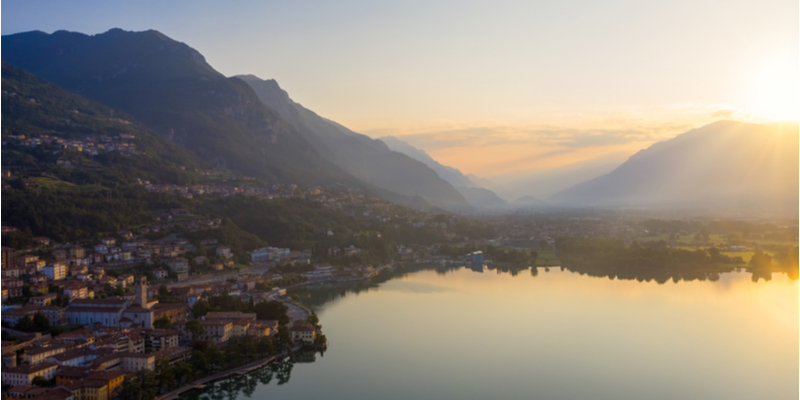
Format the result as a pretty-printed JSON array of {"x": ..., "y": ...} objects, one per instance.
[{"x": 464, "y": 334}]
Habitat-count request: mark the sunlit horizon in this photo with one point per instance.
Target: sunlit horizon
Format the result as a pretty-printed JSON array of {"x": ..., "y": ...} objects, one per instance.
[{"x": 493, "y": 89}]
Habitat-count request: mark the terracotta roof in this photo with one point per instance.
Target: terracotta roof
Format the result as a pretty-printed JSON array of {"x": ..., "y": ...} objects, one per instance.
[
  {"x": 29, "y": 369},
  {"x": 302, "y": 326}
]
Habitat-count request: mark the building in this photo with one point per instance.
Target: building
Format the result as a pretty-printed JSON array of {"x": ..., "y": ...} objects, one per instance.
[
  {"x": 44, "y": 300},
  {"x": 125, "y": 361},
  {"x": 24, "y": 374},
  {"x": 174, "y": 355},
  {"x": 41, "y": 241},
  {"x": 9, "y": 257},
  {"x": 14, "y": 286},
  {"x": 303, "y": 331},
  {"x": 75, "y": 290},
  {"x": 160, "y": 339},
  {"x": 229, "y": 316},
  {"x": 55, "y": 271},
  {"x": 160, "y": 273},
  {"x": 108, "y": 312},
  {"x": 224, "y": 251},
  {"x": 216, "y": 331},
  {"x": 77, "y": 252},
  {"x": 38, "y": 355},
  {"x": 477, "y": 257},
  {"x": 180, "y": 266},
  {"x": 55, "y": 315},
  {"x": 175, "y": 312}
]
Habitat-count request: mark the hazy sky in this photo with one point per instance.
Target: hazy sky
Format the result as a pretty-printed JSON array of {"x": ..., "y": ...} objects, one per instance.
[{"x": 490, "y": 87}]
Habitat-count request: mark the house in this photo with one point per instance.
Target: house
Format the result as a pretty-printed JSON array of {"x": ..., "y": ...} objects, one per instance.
[
  {"x": 14, "y": 286},
  {"x": 60, "y": 255},
  {"x": 126, "y": 280},
  {"x": 9, "y": 255},
  {"x": 75, "y": 290},
  {"x": 44, "y": 300},
  {"x": 160, "y": 273},
  {"x": 109, "y": 241},
  {"x": 175, "y": 312},
  {"x": 76, "y": 252},
  {"x": 55, "y": 271},
  {"x": 224, "y": 251},
  {"x": 302, "y": 331},
  {"x": 129, "y": 246},
  {"x": 101, "y": 248},
  {"x": 55, "y": 315},
  {"x": 24, "y": 374},
  {"x": 180, "y": 266},
  {"x": 41, "y": 241},
  {"x": 216, "y": 331},
  {"x": 159, "y": 339}
]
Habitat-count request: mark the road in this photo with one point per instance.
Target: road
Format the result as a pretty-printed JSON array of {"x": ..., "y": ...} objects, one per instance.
[{"x": 296, "y": 312}]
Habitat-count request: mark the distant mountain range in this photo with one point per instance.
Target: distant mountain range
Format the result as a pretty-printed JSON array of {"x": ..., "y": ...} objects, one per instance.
[
  {"x": 170, "y": 87},
  {"x": 190, "y": 115},
  {"x": 725, "y": 164},
  {"x": 470, "y": 186},
  {"x": 367, "y": 159}
]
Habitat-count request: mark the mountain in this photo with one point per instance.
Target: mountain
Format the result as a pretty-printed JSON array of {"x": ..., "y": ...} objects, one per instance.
[
  {"x": 33, "y": 108},
  {"x": 724, "y": 164},
  {"x": 367, "y": 159},
  {"x": 450, "y": 174},
  {"x": 170, "y": 87},
  {"x": 482, "y": 198}
]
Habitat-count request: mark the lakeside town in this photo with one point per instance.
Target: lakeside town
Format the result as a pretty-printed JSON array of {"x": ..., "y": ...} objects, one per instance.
[{"x": 159, "y": 308}]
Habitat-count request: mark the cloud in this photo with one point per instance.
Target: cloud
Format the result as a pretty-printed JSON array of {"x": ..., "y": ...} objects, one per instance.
[{"x": 723, "y": 113}]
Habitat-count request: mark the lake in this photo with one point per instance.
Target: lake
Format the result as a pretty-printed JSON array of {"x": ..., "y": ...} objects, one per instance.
[{"x": 463, "y": 334}]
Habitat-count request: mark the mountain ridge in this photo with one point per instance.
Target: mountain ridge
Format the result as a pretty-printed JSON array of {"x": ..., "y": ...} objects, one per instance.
[
  {"x": 169, "y": 86},
  {"x": 365, "y": 158},
  {"x": 726, "y": 163}
]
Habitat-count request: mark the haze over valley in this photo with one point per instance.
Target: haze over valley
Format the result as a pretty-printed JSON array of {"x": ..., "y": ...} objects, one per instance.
[{"x": 417, "y": 199}]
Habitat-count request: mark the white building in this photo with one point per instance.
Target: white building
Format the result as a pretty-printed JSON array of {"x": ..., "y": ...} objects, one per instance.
[
  {"x": 55, "y": 271},
  {"x": 24, "y": 374}
]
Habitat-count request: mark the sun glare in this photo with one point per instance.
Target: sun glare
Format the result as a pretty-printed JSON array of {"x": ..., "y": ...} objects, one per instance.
[{"x": 774, "y": 90}]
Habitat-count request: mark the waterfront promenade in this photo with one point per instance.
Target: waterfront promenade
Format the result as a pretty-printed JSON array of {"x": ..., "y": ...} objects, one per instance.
[{"x": 243, "y": 369}]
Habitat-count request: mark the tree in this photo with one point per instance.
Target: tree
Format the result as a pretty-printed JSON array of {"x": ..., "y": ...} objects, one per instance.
[
  {"x": 41, "y": 381},
  {"x": 199, "y": 361},
  {"x": 534, "y": 257},
  {"x": 272, "y": 310},
  {"x": 215, "y": 356},
  {"x": 265, "y": 345},
  {"x": 162, "y": 323},
  {"x": 201, "y": 308},
  {"x": 282, "y": 339},
  {"x": 183, "y": 372},
  {"x": 313, "y": 319},
  {"x": 195, "y": 328},
  {"x": 165, "y": 375},
  {"x": 24, "y": 324}
]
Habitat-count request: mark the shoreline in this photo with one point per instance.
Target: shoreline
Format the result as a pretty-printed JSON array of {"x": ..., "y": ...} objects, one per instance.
[{"x": 240, "y": 370}]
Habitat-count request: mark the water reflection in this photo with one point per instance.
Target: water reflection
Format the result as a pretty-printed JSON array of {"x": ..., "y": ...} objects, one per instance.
[
  {"x": 231, "y": 388},
  {"x": 320, "y": 296}
]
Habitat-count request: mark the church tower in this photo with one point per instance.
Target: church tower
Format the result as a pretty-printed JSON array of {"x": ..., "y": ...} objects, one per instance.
[{"x": 141, "y": 292}]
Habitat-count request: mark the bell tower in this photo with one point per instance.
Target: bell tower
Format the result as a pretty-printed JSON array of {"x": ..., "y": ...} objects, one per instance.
[{"x": 141, "y": 292}]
